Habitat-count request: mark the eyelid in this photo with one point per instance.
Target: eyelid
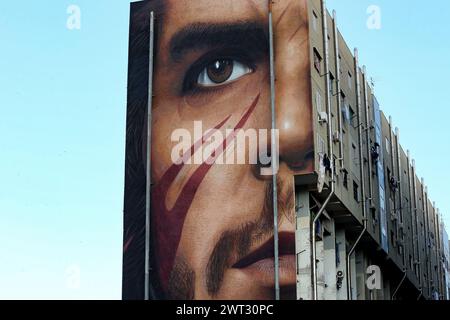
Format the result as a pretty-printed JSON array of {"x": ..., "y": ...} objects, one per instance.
[
  {"x": 235, "y": 75},
  {"x": 235, "y": 54}
]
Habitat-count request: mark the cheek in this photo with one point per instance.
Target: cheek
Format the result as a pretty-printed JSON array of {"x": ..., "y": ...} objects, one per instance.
[
  {"x": 228, "y": 100},
  {"x": 172, "y": 114},
  {"x": 165, "y": 120},
  {"x": 229, "y": 198},
  {"x": 161, "y": 134}
]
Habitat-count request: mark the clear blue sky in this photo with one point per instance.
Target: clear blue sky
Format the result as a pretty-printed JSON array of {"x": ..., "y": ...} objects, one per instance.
[{"x": 62, "y": 130}]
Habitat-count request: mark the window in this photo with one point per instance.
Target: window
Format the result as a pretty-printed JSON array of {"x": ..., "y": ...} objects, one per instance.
[
  {"x": 406, "y": 205},
  {"x": 373, "y": 211},
  {"x": 352, "y": 115},
  {"x": 350, "y": 80},
  {"x": 321, "y": 145},
  {"x": 388, "y": 146},
  {"x": 354, "y": 154},
  {"x": 315, "y": 21},
  {"x": 345, "y": 180},
  {"x": 331, "y": 85},
  {"x": 392, "y": 208},
  {"x": 317, "y": 61},
  {"x": 345, "y": 109},
  {"x": 319, "y": 104},
  {"x": 355, "y": 191},
  {"x": 374, "y": 219}
]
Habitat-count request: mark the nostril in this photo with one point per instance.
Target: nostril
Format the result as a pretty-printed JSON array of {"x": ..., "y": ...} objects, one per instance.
[
  {"x": 299, "y": 160},
  {"x": 309, "y": 156}
]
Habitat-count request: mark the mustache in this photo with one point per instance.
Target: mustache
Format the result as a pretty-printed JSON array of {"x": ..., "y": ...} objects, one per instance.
[
  {"x": 234, "y": 245},
  {"x": 182, "y": 280}
]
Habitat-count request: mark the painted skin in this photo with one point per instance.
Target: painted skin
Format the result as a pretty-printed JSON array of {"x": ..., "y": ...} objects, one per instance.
[{"x": 194, "y": 205}]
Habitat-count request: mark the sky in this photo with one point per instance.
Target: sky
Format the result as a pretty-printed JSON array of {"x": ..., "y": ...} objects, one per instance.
[{"x": 62, "y": 129}]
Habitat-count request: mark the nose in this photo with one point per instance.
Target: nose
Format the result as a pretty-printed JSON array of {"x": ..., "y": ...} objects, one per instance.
[{"x": 292, "y": 85}]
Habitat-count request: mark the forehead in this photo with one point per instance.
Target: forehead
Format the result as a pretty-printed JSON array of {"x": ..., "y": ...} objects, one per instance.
[{"x": 180, "y": 13}]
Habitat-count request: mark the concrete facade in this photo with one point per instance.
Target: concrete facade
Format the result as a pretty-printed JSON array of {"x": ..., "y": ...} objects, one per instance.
[{"x": 380, "y": 236}]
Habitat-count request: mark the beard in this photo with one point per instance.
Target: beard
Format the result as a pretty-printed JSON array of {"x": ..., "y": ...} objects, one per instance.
[{"x": 231, "y": 246}]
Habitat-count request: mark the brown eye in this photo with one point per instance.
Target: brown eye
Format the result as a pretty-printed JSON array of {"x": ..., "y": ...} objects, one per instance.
[{"x": 221, "y": 72}]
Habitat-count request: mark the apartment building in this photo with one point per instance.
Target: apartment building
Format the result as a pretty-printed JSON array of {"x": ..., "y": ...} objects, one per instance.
[
  {"x": 357, "y": 220},
  {"x": 378, "y": 220}
]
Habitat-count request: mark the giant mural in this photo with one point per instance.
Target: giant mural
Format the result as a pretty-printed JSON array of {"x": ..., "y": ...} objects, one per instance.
[{"x": 212, "y": 161}]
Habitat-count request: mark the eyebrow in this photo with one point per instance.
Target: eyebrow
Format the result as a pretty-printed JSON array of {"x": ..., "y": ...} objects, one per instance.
[{"x": 248, "y": 35}]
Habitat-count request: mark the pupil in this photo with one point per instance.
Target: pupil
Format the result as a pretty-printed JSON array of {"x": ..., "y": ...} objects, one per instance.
[{"x": 220, "y": 71}]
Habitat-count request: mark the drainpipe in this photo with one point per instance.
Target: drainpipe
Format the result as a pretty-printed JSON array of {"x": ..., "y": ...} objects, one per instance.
[
  {"x": 441, "y": 271},
  {"x": 427, "y": 236},
  {"x": 435, "y": 253},
  {"x": 419, "y": 255},
  {"x": 349, "y": 280},
  {"x": 438, "y": 250},
  {"x": 148, "y": 156},
  {"x": 411, "y": 210},
  {"x": 368, "y": 128},
  {"x": 363, "y": 188},
  {"x": 275, "y": 156},
  {"x": 331, "y": 155},
  {"x": 436, "y": 246},
  {"x": 391, "y": 134},
  {"x": 338, "y": 91},
  {"x": 441, "y": 249},
  {"x": 399, "y": 285},
  {"x": 400, "y": 203},
  {"x": 416, "y": 222},
  {"x": 420, "y": 294},
  {"x": 313, "y": 244}
]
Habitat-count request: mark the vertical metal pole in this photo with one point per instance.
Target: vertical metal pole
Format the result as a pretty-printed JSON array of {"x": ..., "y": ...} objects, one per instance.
[
  {"x": 391, "y": 133},
  {"x": 368, "y": 128},
  {"x": 274, "y": 153},
  {"x": 438, "y": 251},
  {"x": 427, "y": 236},
  {"x": 441, "y": 267},
  {"x": 399, "y": 285},
  {"x": 400, "y": 193},
  {"x": 148, "y": 157},
  {"x": 360, "y": 135},
  {"x": 435, "y": 248},
  {"x": 416, "y": 215},
  {"x": 411, "y": 214},
  {"x": 338, "y": 90},
  {"x": 436, "y": 239},
  {"x": 363, "y": 190},
  {"x": 315, "y": 294}
]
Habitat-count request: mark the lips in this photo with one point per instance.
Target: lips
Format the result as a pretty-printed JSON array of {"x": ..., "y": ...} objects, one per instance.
[{"x": 286, "y": 247}]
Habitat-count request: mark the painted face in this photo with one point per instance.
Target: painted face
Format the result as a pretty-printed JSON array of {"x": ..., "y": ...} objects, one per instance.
[{"x": 213, "y": 223}]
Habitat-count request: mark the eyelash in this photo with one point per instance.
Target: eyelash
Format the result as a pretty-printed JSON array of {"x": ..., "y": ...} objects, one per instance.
[{"x": 189, "y": 83}]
